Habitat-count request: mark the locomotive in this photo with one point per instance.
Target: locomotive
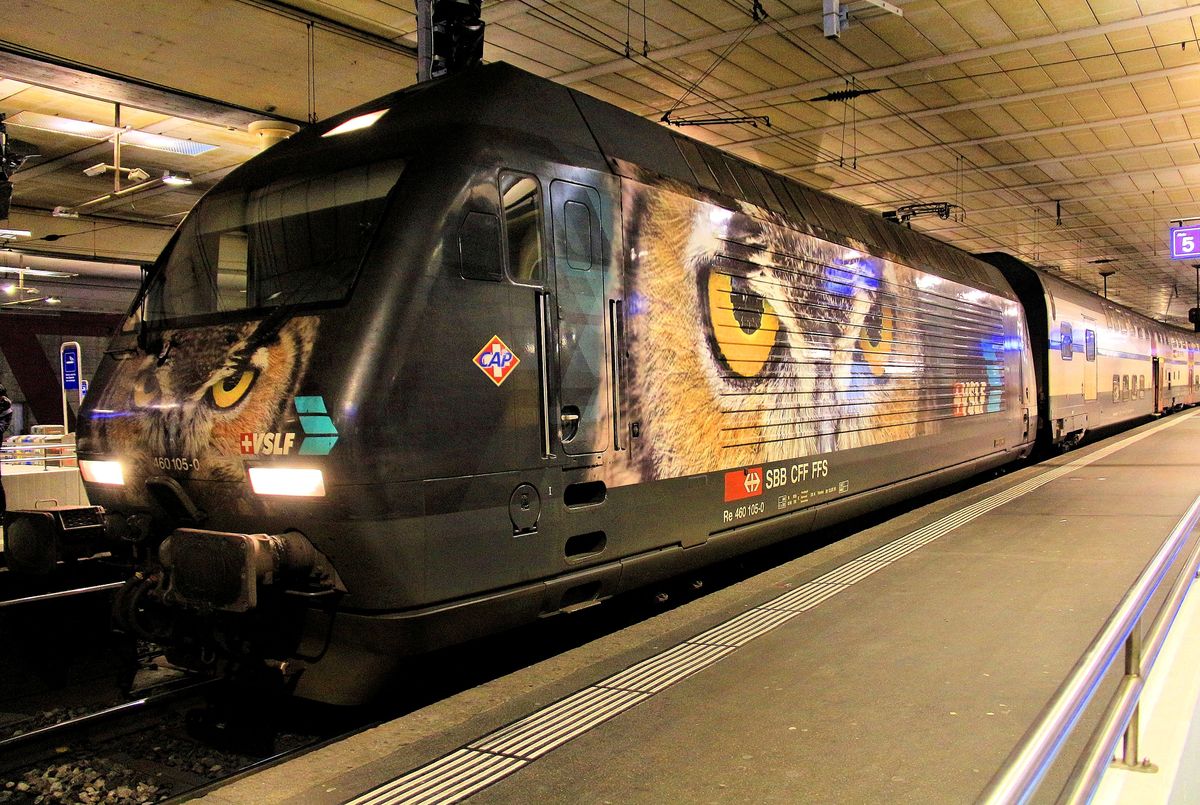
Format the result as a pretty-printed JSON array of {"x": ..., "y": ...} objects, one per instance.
[{"x": 489, "y": 349}]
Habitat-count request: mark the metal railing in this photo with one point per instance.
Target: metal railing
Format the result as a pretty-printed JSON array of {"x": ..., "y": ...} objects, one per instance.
[
  {"x": 1028, "y": 763},
  {"x": 46, "y": 455}
]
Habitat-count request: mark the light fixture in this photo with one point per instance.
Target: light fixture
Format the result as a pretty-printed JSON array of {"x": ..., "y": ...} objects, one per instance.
[
  {"x": 9, "y": 234},
  {"x": 110, "y": 473},
  {"x": 176, "y": 178},
  {"x": 36, "y": 272},
  {"x": 98, "y": 131},
  {"x": 133, "y": 174},
  {"x": 9, "y": 288},
  {"x": 287, "y": 481},
  {"x": 53, "y": 300},
  {"x": 356, "y": 123}
]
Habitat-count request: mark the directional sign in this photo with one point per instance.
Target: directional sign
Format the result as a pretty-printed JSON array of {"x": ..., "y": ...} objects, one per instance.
[{"x": 1185, "y": 242}]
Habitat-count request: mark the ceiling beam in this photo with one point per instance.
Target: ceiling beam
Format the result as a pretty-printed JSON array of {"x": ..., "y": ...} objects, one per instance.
[
  {"x": 749, "y": 99},
  {"x": 1029, "y": 163},
  {"x": 985, "y": 103},
  {"x": 44, "y": 70},
  {"x": 704, "y": 43},
  {"x": 1027, "y": 134}
]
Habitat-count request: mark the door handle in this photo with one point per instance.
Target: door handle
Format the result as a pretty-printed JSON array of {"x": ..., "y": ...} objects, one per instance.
[{"x": 570, "y": 419}]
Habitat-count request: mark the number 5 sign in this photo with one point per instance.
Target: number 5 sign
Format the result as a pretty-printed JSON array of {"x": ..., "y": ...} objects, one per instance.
[{"x": 1185, "y": 242}]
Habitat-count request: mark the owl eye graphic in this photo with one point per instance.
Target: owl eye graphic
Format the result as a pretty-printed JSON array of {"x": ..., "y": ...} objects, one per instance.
[
  {"x": 145, "y": 391},
  {"x": 745, "y": 327},
  {"x": 229, "y": 391}
]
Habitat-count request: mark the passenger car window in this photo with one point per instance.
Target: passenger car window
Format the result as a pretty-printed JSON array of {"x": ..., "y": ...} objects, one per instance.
[
  {"x": 1141, "y": 387},
  {"x": 521, "y": 197},
  {"x": 1125, "y": 388},
  {"x": 1089, "y": 344},
  {"x": 1067, "y": 347},
  {"x": 1116, "y": 388}
]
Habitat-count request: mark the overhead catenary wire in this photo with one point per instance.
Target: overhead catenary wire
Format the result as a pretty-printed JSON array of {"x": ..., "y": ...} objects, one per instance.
[{"x": 592, "y": 29}]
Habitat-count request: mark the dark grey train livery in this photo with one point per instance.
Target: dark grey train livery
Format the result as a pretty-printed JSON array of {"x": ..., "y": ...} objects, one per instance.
[{"x": 490, "y": 349}]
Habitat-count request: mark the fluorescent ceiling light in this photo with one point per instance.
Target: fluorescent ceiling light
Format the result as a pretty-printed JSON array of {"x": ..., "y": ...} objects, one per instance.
[
  {"x": 356, "y": 123},
  {"x": 14, "y": 233},
  {"x": 53, "y": 300},
  {"x": 36, "y": 272},
  {"x": 161, "y": 142},
  {"x": 99, "y": 131},
  {"x": 288, "y": 481},
  {"x": 95, "y": 170},
  {"x": 62, "y": 125}
]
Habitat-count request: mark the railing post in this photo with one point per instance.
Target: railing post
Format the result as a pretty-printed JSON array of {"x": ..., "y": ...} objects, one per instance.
[{"x": 1133, "y": 670}]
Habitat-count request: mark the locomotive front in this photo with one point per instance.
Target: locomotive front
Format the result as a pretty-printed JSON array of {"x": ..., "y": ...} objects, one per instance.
[{"x": 218, "y": 436}]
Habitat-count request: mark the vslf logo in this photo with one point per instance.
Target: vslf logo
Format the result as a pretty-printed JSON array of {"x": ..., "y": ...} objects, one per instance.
[
  {"x": 740, "y": 484},
  {"x": 267, "y": 444},
  {"x": 496, "y": 360}
]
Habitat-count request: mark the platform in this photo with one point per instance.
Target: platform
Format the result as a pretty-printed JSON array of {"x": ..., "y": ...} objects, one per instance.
[{"x": 901, "y": 664}]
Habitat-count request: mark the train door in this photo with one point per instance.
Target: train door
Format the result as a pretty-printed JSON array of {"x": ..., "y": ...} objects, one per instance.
[
  {"x": 1156, "y": 370},
  {"x": 1091, "y": 367},
  {"x": 580, "y": 247}
]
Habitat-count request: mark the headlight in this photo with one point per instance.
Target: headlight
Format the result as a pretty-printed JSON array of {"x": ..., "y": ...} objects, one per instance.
[
  {"x": 287, "y": 481},
  {"x": 102, "y": 472}
]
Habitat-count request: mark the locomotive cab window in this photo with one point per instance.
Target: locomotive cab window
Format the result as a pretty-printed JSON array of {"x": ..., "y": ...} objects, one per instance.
[
  {"x": 581, "y": 235},
  {"x": 294, "y": 239},
  {"x": 479, "y": 247},
  {"x": 1089, "y": 344},
  {"x": 1068, "y": 345},
  {"x": 522, "y": 199}
]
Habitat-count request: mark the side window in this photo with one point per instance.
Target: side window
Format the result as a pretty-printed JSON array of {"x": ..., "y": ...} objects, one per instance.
[
  {"x": 1089, "y": 344},
  {"x": 1125, "y": 387},
  {"x": 1116, "y": 388},
  {"x": 1068, "y": 344},
  {"x": 521, "y": 197},
  {"x": 1141, "y": 387},
  {"x": 577, "y": 220},
  {"x": 479, "y": 247}
]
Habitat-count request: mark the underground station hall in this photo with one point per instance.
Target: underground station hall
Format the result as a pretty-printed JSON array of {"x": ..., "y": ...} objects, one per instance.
[{"x": 599, "y": 401}]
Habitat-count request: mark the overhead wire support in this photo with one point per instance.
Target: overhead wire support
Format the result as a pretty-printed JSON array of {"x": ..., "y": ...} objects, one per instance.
[{"x": 753, "y": 120}]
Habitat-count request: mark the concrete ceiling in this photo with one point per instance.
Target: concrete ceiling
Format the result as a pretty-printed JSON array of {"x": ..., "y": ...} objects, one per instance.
[{"x": 1063, "y": 129}]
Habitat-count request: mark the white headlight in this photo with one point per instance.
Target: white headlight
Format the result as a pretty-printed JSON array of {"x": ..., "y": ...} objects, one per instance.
[
  {"x": 102, "y": 472},
  {"x": 287, "y": 481}
]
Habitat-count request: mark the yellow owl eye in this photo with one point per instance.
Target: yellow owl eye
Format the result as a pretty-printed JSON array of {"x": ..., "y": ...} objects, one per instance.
[
  {"x": 745, "y": 326},
  {"x": 876, "y": 340},
  {"x": 233, "y": 388}
]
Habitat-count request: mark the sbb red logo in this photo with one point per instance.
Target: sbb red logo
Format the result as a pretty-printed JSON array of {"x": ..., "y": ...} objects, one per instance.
[{"x": 747, "y": 483}]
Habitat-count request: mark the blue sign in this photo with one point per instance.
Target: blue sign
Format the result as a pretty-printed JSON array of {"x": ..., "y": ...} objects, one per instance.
[
  {"x": 70, "y": 367},
  {"x": 1185, "y": 242}
]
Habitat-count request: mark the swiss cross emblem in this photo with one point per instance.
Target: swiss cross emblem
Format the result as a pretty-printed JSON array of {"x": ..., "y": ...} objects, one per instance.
[
  {"x": 496, "y": 360},
  {"x": 247, "y": 443}
]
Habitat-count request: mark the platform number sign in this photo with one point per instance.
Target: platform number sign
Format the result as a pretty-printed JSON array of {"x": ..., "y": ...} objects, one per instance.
[{"x": 1185, "y": 242}]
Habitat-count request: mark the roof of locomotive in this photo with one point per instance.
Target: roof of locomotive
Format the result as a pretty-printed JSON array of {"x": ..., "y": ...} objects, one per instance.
[{"x": 562, "y": 124}]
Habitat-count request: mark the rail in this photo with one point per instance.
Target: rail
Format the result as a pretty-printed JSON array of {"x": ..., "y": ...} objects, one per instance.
[{"x": 1028, "y": 763}]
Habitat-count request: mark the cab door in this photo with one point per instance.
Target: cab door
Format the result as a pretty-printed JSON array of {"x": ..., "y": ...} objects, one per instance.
[{"x": 581, "y": 250}]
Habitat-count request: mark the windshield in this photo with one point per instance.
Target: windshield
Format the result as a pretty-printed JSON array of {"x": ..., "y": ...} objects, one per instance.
[{"x": 296, "y": 240}]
